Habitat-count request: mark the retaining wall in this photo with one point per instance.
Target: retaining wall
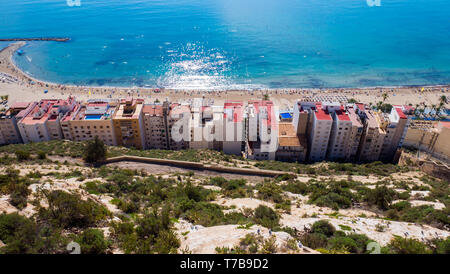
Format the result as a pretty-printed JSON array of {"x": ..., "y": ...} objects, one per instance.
[{"x": 196, "y": 166}]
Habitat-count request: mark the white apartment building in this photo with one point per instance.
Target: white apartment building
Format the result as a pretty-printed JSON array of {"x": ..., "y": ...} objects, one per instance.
[
  {"x": 262, "y": 131},
  {"x": 320, "y": 133},
  {"x": 395, "y": 126},
  {"x": 9, "y": 132},
  {"x": 42, "y": 123},
  {"x": 339, "y": 145},
  {"x": 178, "y": 123},
  {"x": 233, "y": 127}
]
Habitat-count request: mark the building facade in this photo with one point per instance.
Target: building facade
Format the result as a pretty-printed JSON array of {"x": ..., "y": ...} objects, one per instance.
[
  {"x": 89, "y": 121},
  {"x": 155, "y": 125},
  {"x": 9, "y": 132},
  {"x": 128, "y": 123}
]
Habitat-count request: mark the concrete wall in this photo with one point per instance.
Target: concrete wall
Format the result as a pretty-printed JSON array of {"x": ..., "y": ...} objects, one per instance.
[{"x": 194, "y": 165}]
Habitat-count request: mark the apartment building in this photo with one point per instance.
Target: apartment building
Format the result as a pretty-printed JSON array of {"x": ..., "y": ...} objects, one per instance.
[
  {"x": 42, "y": 123},
  {"x": 128, "y": 123},
  {"x": 9, "y": 132},
  {"x": 178, "y": 123},
  {"x": 319, "y": 135},
  {"x": 302, "y": 117},
  {"x": 233, "y": 127},
  {"x": 291, "y": 147},
  {"x": 155, "y": 125},
  {"x": 341, "y": 130},
  {"x": 262, "y": 130},
  {"x": 89, "y": 121},
  {"x": 201, "y": 125},
  {"x": 430, "y": 137},
  {"x": 373, "y": 136},
  {"x": 394, "y": 125},
  {"x": 356, "y": 132}
]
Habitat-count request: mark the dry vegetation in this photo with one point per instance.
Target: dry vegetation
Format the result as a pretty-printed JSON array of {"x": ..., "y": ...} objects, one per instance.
[{"x": 48, "y": 198}]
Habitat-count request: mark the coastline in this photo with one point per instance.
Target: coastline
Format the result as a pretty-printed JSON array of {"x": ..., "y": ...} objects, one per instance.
[{"x": 33, "y": 88}]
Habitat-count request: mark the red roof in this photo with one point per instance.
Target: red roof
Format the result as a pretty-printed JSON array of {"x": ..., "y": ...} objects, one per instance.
[
  {"x": 400, "y": 113},
  {"x": 342, "y": 116},
  {"x": 268, "y": 105},
  {"x": 237, "y": 107},
  {"x": 20, "y": 105},
  {"x": 321, "y": 114},
  {"x": 360, "y": 106}
]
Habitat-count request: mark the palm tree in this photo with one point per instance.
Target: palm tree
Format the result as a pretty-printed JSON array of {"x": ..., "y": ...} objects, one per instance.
[
  {"x": 433, "y": 108},
  {"x": 379, "y": 105},
  {"x": 385, "y": 96},
  {"x": 416, "y": 110},
  {"x": 443, "y": 100},
  {"x": 421, "y": 111}
]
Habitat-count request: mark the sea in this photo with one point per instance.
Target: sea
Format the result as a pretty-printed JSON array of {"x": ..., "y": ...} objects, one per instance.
[{"x": 233, "y": 44}]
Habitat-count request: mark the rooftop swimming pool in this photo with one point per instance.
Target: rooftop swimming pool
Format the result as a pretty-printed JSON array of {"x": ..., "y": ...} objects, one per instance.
[{"x": 93, "y": 117}]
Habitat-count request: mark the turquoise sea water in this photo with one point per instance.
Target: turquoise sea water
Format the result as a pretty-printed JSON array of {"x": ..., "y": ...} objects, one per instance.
[{"x": 219, "y": 44}]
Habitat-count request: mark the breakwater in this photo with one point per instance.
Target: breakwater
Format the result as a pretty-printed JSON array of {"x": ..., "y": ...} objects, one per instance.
[{"x": 56, "y": 39}]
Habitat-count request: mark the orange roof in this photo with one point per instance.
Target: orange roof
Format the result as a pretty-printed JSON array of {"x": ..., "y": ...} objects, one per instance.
[{"x": 153, "y": 110}]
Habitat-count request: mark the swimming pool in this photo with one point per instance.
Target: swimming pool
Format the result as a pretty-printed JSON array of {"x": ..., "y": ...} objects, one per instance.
[{"x": 93, "y": 117}]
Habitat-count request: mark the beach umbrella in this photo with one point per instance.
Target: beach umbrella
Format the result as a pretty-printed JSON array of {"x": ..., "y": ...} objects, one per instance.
[{"x": 46, "y": 91}]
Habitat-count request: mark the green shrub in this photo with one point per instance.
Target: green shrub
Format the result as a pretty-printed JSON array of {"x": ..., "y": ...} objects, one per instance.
[
  {"x": 149, "y": 234},
  {"x": 42, "y": 155},
  {"x": 381, "y": 196},
  {"x": 23, "y": 236},
  {"x": 270, "y": 191},
  {"x": 231, "y": 188},
  {"x": 333, "y": 194},
  {"x": 206, "y": 214},
  {"x": 345, "y": 227},
  {"x": 353, "y": 243},
  {"x": 314, "y": 240},
  {"x": 441, "y": 246},
  {"x": 19, "y": 195},
  {"x": 340, "y": 243},
  {"x": 22, "y": 155},
  {"x": 401, "y": 205},
  {"x": 296, "y": 187},
  {"x": 269, "y": 246},
  {"x": 95, "y": 151},
  {"x": 67, "y": 210},
  {"x": 323, "y": 227},
  {"x": 92, "y": 241},
  {"x": 400, "y": 245},
  {"x": 266, "y": 217}
]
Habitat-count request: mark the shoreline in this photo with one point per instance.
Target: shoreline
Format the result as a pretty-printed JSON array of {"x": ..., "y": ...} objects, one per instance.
[{"x": 26, "y": 82}]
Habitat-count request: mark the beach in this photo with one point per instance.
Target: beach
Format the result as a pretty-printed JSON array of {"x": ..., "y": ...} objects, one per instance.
[{"x": 21, "y": 87}]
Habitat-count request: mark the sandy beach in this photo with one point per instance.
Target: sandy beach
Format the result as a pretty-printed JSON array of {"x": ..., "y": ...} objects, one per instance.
[{"x": 21, "y": 87}]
